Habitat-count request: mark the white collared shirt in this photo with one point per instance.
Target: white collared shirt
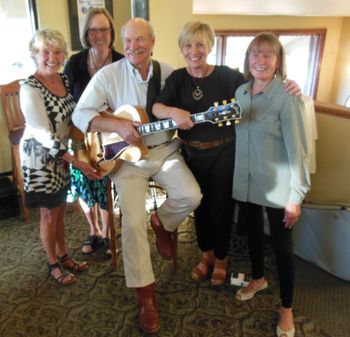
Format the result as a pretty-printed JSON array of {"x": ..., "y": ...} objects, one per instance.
[{"x": 114, "y": 85}]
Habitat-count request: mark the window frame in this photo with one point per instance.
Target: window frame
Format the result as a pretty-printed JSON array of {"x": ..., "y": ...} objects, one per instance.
[{"x": 222, "y": 35}]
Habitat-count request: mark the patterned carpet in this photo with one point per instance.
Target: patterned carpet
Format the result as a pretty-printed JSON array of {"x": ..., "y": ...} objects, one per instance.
[{"x": 98, "y": 303}]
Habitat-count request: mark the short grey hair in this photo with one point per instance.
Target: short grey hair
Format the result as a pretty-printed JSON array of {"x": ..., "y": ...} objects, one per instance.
[{"x": 137, "y": 19}]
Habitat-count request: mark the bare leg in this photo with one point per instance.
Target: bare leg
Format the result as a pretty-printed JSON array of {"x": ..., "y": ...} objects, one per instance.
[
  {"x": 52, "y": 238},
  {"x": 92, "y": 219},
  {"x": 105, "y": 231},
  {"x": 48, "y": 232},
  {"x": 61, "y": 248}
]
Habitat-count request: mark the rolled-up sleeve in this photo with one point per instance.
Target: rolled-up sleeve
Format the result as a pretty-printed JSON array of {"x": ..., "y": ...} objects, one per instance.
[{"x": 92, "y": 101}]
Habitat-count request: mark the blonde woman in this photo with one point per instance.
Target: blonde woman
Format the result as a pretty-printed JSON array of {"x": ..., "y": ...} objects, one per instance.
[{"x": 47, "y": 106}]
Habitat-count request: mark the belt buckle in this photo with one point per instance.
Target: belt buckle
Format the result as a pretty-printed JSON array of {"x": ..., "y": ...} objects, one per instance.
[{"x": 197, "y": 143}]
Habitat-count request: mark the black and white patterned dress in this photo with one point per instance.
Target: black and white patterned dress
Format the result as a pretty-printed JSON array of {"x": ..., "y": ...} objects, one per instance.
[{"x": 45, "y": 141}]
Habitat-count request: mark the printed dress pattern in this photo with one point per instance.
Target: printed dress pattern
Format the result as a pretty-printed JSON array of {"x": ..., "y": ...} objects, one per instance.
[{"x": 44, "y": 170}]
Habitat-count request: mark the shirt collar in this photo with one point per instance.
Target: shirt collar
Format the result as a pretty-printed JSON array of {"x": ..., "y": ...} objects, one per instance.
[
  {"x": 136, "y": 73},
  {"x": 269, "y": 90}
]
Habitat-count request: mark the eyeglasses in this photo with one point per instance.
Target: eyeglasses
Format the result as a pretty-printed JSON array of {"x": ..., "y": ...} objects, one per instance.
[{"x": 94, "y": 31}]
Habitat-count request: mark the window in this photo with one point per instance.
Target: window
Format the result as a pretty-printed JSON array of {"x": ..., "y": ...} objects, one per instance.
[
  {"x": 17, "y": 23},
  {"x": 303, "y": 53}
]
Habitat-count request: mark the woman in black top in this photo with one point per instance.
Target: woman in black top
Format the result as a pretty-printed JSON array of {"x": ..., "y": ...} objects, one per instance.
[
  {"x": 97, "y": 37},
  {"x": 208, "y": 148}
]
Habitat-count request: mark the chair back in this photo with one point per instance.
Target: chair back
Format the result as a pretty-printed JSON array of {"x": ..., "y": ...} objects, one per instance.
[
  {"x": 14, "y": 116},
  {"x": 16, "y": 124}
]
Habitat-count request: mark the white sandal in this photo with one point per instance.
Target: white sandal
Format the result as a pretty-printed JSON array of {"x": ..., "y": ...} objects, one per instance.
[
  {"x": 242, "y": 296},
  {"x": 285, "y": 333}
]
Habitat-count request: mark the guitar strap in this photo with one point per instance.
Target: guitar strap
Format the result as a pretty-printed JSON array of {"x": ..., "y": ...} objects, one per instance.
[{"x": 153, "y": 90}]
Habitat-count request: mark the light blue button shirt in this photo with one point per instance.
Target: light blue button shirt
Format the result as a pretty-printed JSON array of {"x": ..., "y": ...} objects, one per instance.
[{"x": 271, "y": 167}]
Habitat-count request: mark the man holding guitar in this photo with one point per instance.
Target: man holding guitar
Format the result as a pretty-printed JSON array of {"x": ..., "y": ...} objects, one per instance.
[{"x": 136, "y": 80}]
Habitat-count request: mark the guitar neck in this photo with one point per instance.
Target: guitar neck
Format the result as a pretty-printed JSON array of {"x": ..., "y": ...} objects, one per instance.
[
  {"x": 214, "y": 115},
  {"x": 166, "y": 124}
]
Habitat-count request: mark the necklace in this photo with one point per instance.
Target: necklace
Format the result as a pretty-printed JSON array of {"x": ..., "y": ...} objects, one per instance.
[
  {"x": 94, "y": 63},
  {"x": 197, "y": 93}
]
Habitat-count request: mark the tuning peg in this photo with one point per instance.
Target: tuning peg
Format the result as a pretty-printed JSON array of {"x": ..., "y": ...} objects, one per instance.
[
  {"x": 220, "y": 125},
  {"x": 224, "y": 102},
  {"x": 228, "y": 123},
  {"x": 216, "y": 104}
]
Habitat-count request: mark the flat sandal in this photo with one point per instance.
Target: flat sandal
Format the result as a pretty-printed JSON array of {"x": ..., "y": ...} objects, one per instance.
[
  {"x": 65, "y": 278},
  {"x": 70, "y": 264},
  {"x": 202, "y": 269}
]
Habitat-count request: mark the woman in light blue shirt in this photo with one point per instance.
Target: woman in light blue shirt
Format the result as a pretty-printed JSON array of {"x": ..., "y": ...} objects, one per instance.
[{"x": 271, "y": 168}]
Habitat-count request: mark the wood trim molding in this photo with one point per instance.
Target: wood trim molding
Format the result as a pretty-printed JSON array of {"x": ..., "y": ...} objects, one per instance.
[{"x": 332, "y": 109}]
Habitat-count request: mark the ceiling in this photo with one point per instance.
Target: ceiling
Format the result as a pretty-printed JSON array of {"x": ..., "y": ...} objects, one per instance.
[{"x": 273, "y": 7}]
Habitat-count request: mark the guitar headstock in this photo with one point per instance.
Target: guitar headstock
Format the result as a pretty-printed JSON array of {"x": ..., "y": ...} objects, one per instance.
[{"x": 225, "y": 113}]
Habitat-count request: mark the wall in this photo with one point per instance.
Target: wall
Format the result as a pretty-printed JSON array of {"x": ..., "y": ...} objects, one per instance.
[
  {"x": 331, "y": 184},
  {"x": 167, "y": 17},
  {"x": 341, "y": 87}
]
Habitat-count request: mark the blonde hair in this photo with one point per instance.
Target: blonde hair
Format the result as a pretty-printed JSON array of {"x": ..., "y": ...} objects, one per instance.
[
  {"x": 47, "y": 38},
  {"x": 260, "y": 42},
  {"x": 93, "y": 11},
  {"x": 196, "y": 30}
]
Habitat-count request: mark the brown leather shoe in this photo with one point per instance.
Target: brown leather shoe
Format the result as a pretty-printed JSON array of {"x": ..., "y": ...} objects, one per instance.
[
  {"x": 164, "y": 241},
  {"x": 148, "y": 313}
]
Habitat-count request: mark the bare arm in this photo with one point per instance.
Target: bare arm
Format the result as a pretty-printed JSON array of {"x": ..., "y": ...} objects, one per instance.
[{"x": 180, "y": 116}]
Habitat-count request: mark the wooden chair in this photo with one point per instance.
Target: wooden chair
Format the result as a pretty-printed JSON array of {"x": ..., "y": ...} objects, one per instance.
[{"x": 16, "y": 124}]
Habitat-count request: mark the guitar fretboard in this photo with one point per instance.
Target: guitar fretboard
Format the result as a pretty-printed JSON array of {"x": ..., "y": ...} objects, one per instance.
[
  {"x": 213, "y": 115},
  {"x": 167, "y": 124}
]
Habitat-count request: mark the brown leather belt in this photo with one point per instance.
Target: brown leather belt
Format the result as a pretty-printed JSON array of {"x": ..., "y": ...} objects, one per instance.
[{"x": 207, "y": 145}]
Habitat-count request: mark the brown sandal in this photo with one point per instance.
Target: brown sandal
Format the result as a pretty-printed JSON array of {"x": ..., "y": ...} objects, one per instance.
[
  {"x": 218, "y": 277},
  {"x": 69, "y": 263},
  {"x": 65, "y": 277},
  {"x": 200, "y": 272}
]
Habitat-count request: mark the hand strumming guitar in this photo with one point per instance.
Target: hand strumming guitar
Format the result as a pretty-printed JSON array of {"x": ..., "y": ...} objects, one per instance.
[{"x": 123, "y": 127}]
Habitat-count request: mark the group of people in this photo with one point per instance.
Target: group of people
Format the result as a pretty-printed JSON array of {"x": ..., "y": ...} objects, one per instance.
[{"x": 262, "y": 163}]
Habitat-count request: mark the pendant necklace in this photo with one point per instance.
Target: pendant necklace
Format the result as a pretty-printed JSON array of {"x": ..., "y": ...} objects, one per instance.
[{"x": 197, "y": 93}]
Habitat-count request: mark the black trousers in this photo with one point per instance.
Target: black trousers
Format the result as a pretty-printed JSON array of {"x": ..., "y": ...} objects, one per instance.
[
  {"x": 282, "y": 244},
  {"x": 213, "y": 169}
]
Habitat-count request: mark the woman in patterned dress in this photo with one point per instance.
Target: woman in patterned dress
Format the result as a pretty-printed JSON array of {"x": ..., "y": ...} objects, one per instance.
[
  {"x": 47, "y": 106},
  {"x": 98, "y": 36}
]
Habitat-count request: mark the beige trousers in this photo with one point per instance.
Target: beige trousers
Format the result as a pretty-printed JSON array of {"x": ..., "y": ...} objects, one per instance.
[{"x": 166, "y": 166}]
